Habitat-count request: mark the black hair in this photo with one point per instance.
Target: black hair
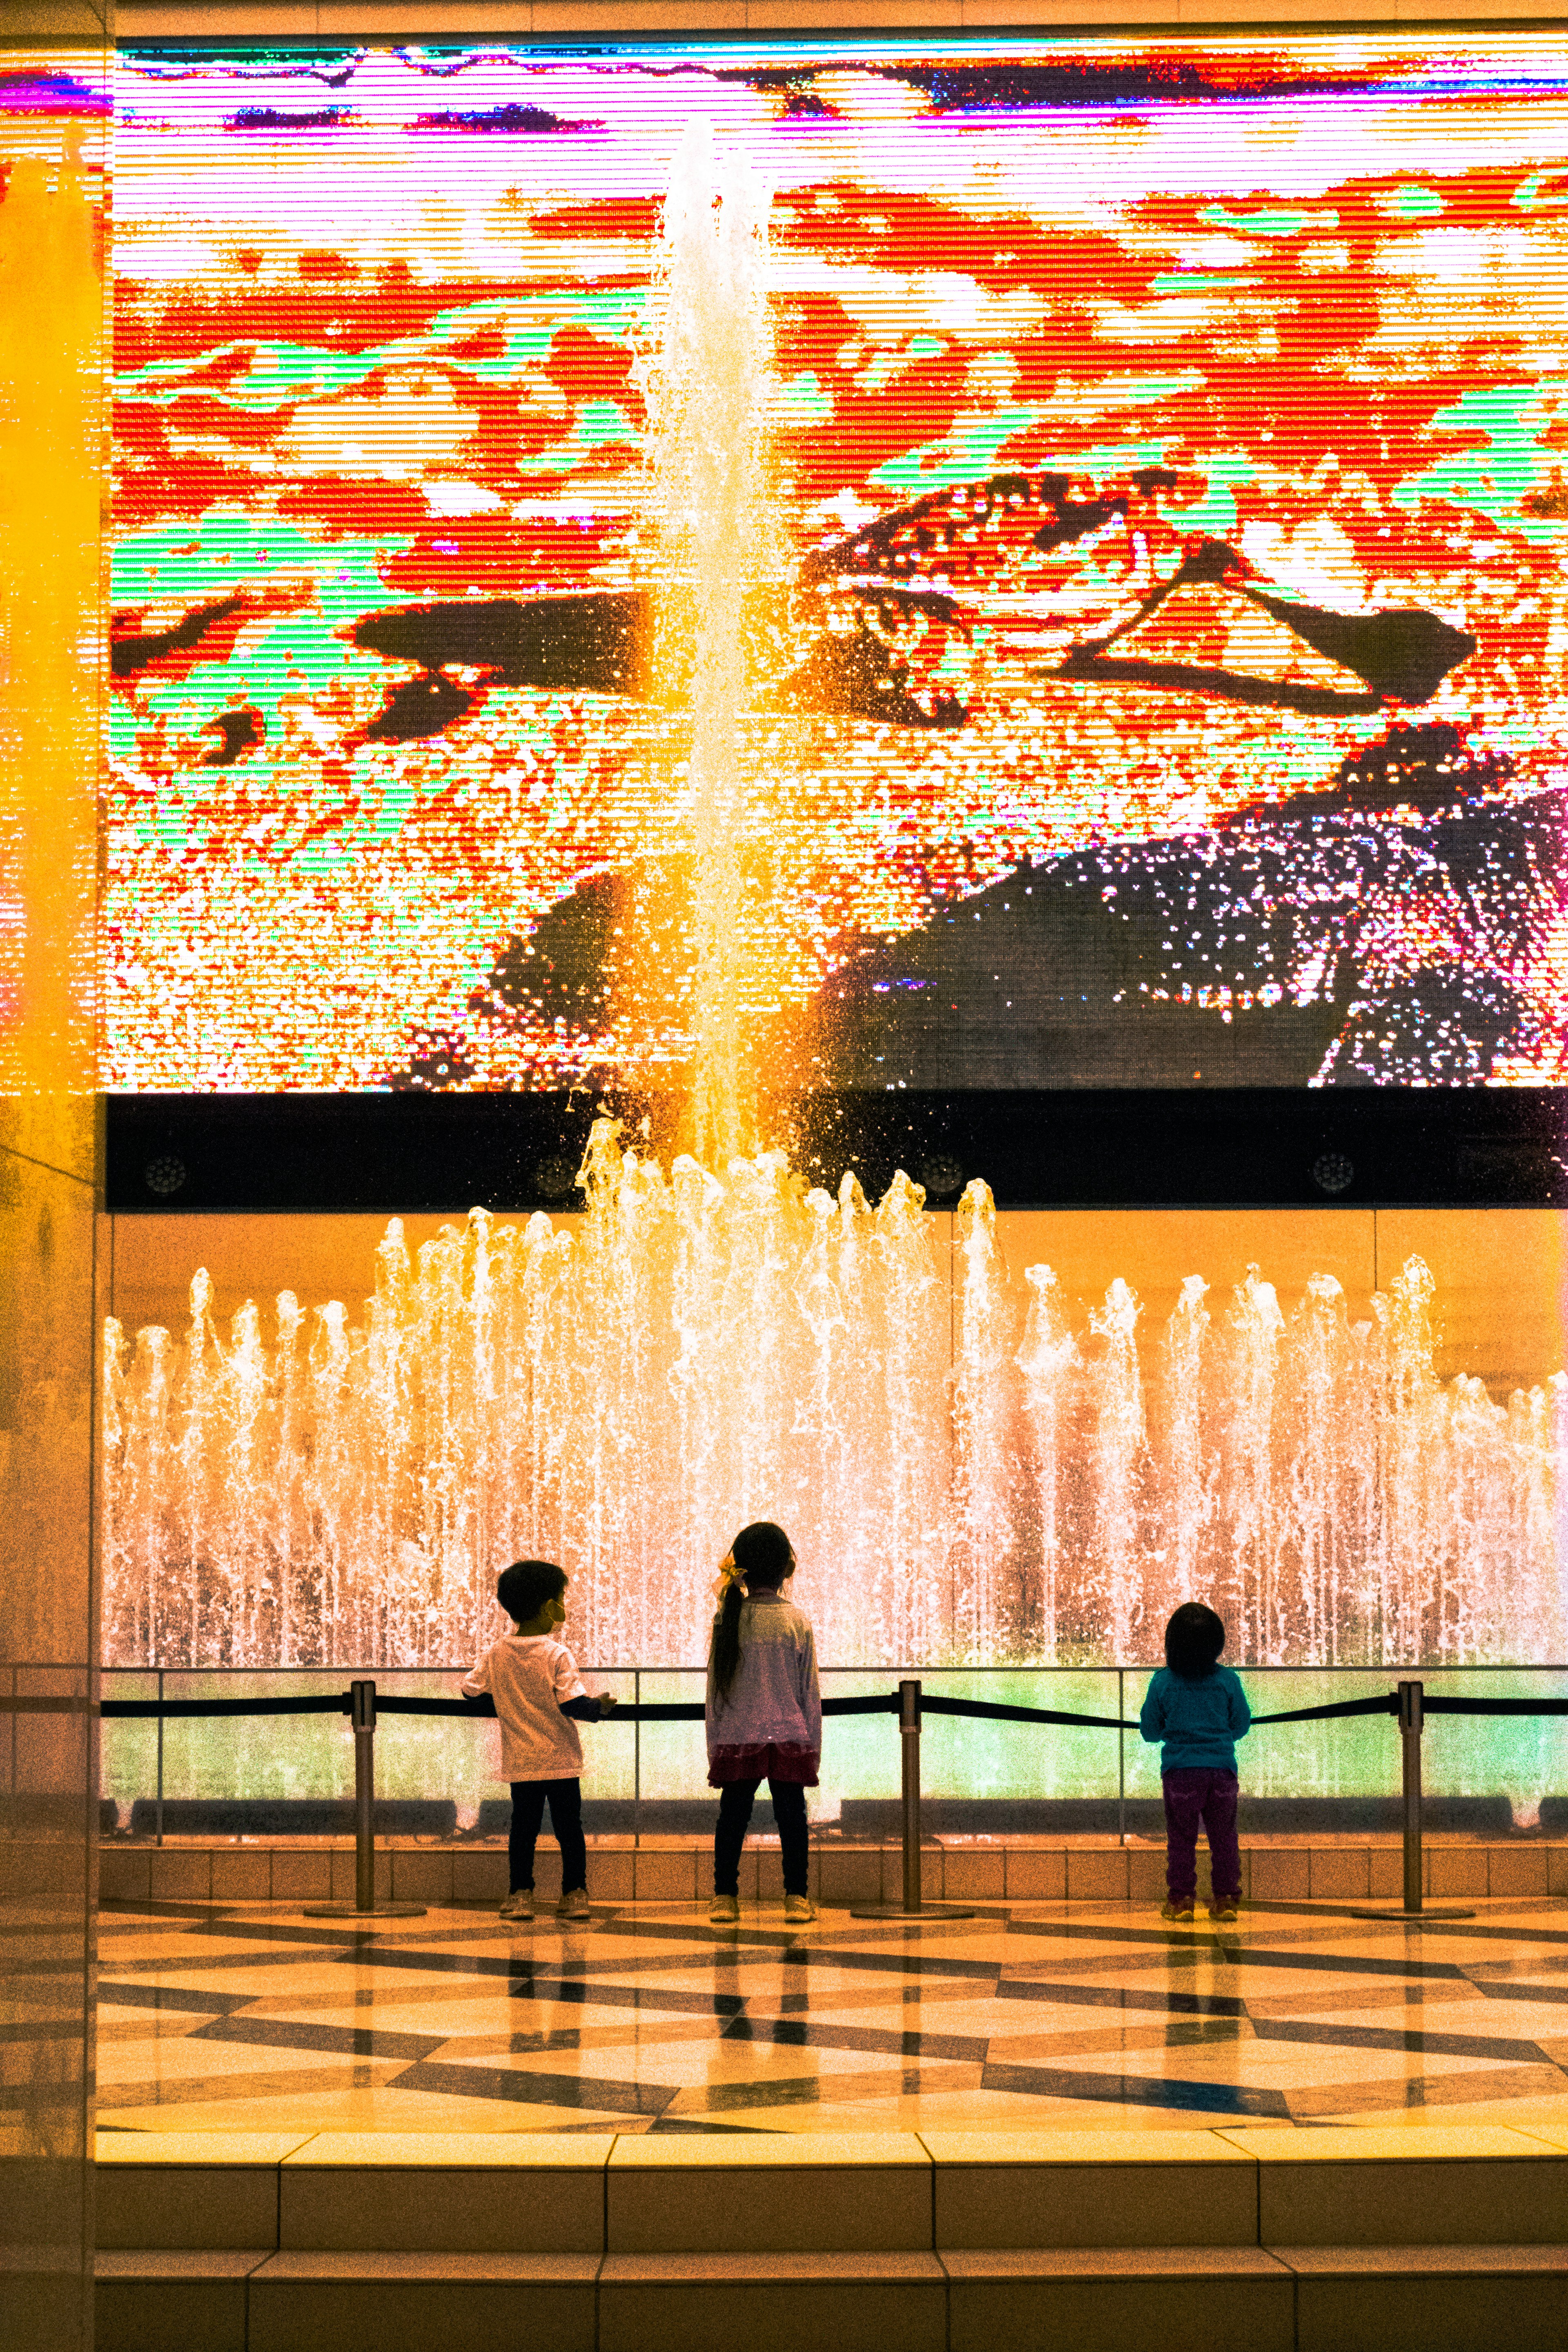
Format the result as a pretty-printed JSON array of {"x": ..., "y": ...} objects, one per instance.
[
  {"x": 1193, "y": 1639},
  {"x": 764, "y": 1557},
  {"x": 523, "y": 1589}
]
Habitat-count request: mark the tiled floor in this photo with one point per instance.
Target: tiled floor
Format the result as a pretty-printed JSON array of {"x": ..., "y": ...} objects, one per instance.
[{"x": 255, "y": 2017}]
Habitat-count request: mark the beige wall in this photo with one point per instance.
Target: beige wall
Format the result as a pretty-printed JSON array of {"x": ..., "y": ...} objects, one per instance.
[{"x": 1499, "y": 1272}]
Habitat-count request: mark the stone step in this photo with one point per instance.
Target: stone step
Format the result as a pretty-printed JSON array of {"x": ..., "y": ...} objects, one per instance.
[
  {"x": 1282, "y": 2298},
  {"x": 478, "y": 2193}
]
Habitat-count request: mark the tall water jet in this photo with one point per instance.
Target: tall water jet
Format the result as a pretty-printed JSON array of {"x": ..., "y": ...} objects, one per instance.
[
  {"x": 710, "y": 386},
  {"x": 1190, "y": 1481},
  {"x": 1048, "y": 1360}
]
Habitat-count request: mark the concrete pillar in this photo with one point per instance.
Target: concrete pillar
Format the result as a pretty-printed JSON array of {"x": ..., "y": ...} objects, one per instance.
[{"x": 52, "y": 491}]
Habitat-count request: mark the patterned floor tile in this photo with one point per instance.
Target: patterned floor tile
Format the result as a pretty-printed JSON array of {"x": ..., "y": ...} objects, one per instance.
[{"x": 651, "y": 2019}]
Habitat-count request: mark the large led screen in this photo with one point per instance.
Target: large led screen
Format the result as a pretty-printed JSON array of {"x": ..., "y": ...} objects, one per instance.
[{"x": 1145, "y": 648}]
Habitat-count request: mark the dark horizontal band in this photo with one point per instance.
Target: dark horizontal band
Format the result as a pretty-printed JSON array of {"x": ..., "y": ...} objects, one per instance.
[{"x": 1074, "y": 1148}]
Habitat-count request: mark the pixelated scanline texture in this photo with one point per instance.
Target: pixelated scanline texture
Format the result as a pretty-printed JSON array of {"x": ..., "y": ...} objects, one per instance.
[{"x": 1322, "y": 292}]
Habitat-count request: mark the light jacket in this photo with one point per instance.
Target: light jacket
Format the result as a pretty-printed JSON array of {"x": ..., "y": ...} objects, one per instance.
[{"x": 774, "y": 1701}]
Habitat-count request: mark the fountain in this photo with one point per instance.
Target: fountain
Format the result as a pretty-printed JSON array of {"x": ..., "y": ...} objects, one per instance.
[{"x": 969, "y": 1478}]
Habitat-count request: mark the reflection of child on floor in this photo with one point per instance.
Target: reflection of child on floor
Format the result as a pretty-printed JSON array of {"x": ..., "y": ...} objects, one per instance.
[
  {"x": 536, "y": 1687},
  {"x": 764, "y": 1715},
  {"x": 1197, "y": 1709}
]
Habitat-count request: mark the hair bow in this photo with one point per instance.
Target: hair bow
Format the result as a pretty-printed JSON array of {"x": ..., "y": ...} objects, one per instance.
[{"x": 729, "y": 1574}]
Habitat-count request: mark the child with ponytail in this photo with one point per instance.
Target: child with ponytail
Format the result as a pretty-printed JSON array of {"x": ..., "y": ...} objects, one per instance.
[{"x": 763, "y": 1715}]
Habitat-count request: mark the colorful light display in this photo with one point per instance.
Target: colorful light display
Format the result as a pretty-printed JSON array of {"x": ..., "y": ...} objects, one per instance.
[{"x": 1154, "y": 656}]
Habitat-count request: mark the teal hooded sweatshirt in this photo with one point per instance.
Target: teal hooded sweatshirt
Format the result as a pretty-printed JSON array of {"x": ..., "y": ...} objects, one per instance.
[{"x": 1199, "y": 1722}]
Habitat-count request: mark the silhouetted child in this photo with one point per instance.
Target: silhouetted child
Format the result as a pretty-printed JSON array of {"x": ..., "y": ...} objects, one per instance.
[
  {"x": 536, "y": 1687},
  {"x": 764, "y": 1715},
  {"x": 1197, "y": 1709}
]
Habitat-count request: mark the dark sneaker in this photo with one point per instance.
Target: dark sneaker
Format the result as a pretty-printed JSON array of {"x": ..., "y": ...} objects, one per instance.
[{"x": 1180, "y": 1912}]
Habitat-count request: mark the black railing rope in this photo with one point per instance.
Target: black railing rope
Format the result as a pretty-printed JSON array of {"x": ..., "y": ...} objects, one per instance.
[{"x": 879, "y": 1702}]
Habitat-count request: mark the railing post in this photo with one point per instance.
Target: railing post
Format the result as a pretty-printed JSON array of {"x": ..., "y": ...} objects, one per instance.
[
  {"x": 1410, "y": 1725},
  {"x": 160, "y": 1755},
  {"x": 361, "y": 1711},
  {"x": 1121, "y": 1756},
  {"x": 637, "y": 1759},
  {"x": 913, "y": 1907},
  {"x": 1410, "y": 1709},
  {"x": 910, "y": 1746}
]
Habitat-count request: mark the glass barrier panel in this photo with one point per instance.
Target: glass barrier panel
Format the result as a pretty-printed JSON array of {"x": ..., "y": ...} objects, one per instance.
[
  {"x": 978, "y": 1777},
  {"x": 676, "y": 1798},
  {"x": 1519, "y": 1761},
  {"x": 288, "y": 1757},
  {"x": 990, "y": 1778},
  {"x": 128, "y": 1751}
]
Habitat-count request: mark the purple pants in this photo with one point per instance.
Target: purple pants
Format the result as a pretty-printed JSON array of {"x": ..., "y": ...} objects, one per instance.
[{"x": 1197, "y": 1795}]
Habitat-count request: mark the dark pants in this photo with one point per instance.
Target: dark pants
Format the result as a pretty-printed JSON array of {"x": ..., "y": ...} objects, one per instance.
[
  {"x": 1191, "y": 1796},
  {"x": 567, "y": 1820},
  {"x": 735, "y": 1812}
]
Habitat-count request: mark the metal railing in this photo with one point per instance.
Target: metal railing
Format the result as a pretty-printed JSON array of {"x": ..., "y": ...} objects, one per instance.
[
  {"x": 922, "y": 1671},
  {"x": 1409, "y": 1703}
]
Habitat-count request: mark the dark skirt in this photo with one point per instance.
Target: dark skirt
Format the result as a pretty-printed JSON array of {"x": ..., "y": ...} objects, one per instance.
[{"x": 771, "y": 1761}]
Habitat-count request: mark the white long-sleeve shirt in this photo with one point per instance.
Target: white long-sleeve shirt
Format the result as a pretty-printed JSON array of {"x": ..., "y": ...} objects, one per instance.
[{"x": 774, "y": 1701}]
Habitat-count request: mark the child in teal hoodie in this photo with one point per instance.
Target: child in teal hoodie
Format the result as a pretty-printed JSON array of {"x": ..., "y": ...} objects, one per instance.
[{"x": 1197, "y": 1710}]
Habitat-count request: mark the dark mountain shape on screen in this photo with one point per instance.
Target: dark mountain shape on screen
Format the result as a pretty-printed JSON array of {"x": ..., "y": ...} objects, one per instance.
[
  {"x": 204, "y": 633},
  {"x": 560, "y": 971},
  {"x": 1119, "y": 965},
  {"x": 51, "y": 93},
  {"x": 237, "y": 732},
  {"x": 131, "y": 650},
  {"x": 1010, "y": 87},
  {"x": 602, "y": 642},
  {"x": 1426, "y": 768},
  {"x": 283, "y": 118},
  {"x": 506, "y": 121}
]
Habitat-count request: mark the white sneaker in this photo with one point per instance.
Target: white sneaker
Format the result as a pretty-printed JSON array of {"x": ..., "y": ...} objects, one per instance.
[
  {"x": 573, "y": 1905},
  {"x": 724, "y": 1910},
  {"x": 798, "y": 1909},
  {"x": 519, "y": 1904}
]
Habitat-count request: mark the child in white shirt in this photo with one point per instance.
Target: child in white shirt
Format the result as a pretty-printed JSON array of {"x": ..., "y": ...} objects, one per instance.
[{"x": 537, "y": 1690}]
